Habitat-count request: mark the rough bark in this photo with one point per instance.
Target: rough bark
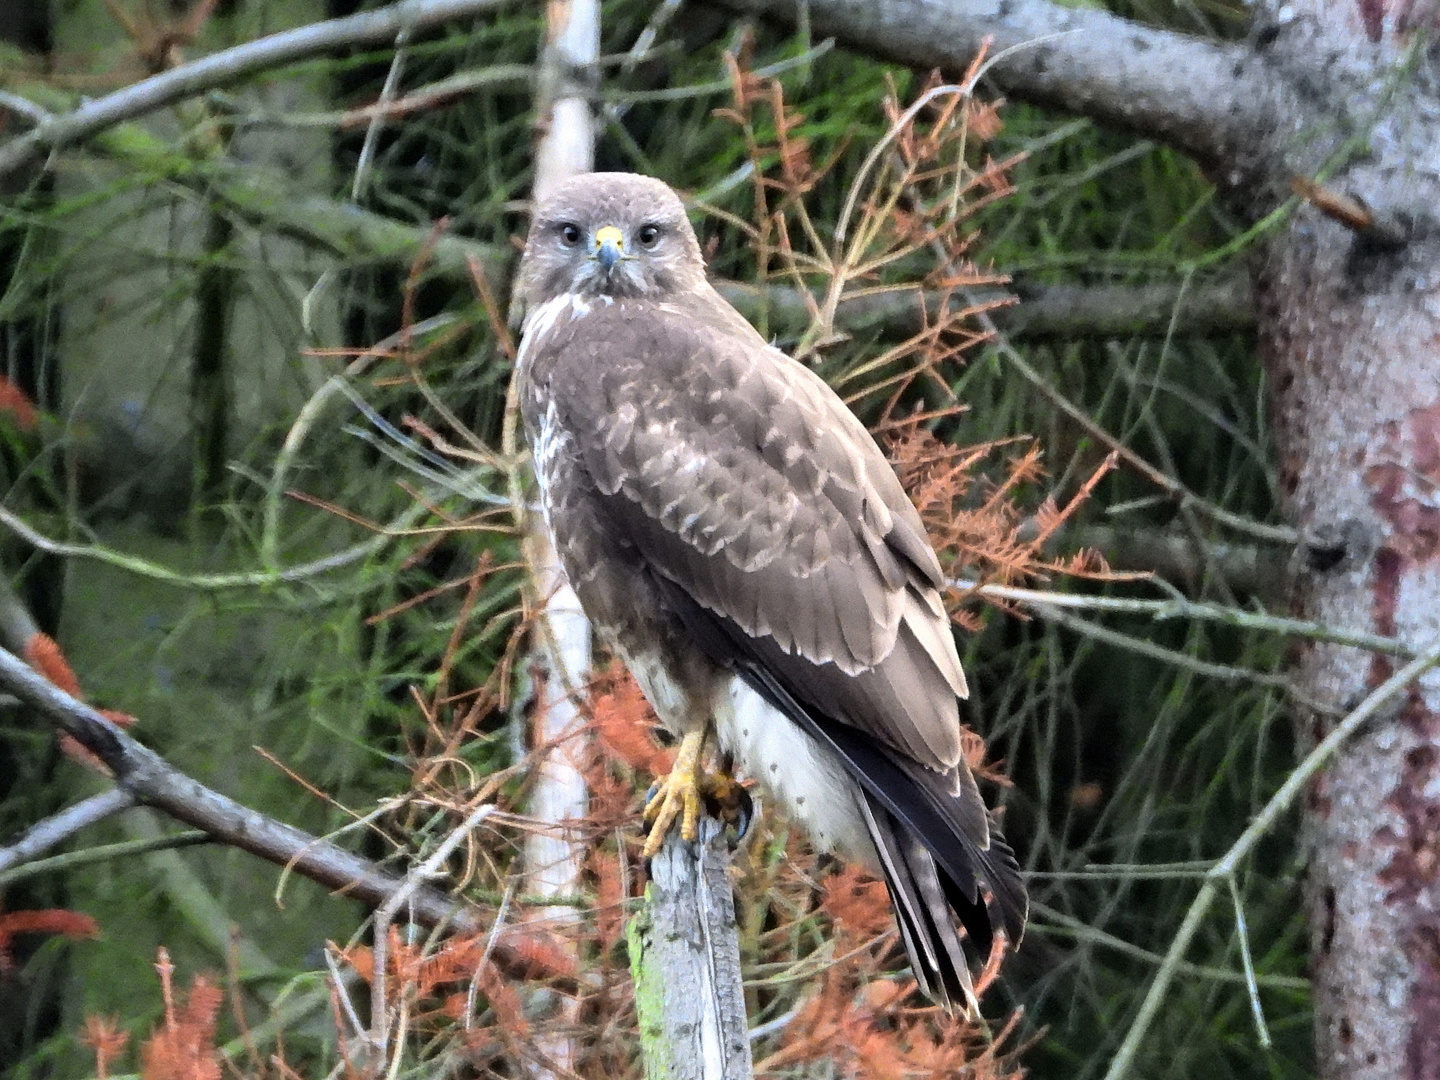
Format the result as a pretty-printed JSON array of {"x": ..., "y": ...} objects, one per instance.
[
  {"x": 685, "y": 958},
  {"x": 1350, "y": 330}
]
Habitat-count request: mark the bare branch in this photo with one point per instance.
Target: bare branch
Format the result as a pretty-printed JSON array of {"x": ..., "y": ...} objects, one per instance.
[
  {"x": 56, "y": 829},
  {"x": 1224, "y": 305},
  {"x": 1258, "y": 570},
  {"x": 685, "y": 959},
  {"x": 220, "y": 68},
  {"x": 1212, "y": 100},
  {"x": 1180, "y": 608},
  {"x": 152, "y": 781},
  {"x": 1044, "y": 311}
]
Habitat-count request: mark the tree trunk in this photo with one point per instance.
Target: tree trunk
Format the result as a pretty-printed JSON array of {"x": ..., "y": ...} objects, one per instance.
[{"x": 1350, "y": 331}]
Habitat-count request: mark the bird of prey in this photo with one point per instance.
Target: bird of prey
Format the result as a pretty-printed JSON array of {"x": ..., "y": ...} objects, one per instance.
[{"x": 736, "y": 536}]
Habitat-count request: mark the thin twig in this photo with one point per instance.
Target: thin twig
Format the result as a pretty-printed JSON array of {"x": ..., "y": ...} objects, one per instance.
[
  {"x": 25, "y": 107},
  {"x": 1081, "y": 931},
  {"x": 1247, "y": 965},
  {"x": 1278, "y": 533},
  {"x": 1181, "y": 608},
  {"x": 377, "y": 119},
  {"x": 305, "y": 420},
  {"x": 406, "y": 888},
  {"x": 244, "y": 579},
  {"x": 1223, "y": 672},
  {"x": 122, "y": 850}
]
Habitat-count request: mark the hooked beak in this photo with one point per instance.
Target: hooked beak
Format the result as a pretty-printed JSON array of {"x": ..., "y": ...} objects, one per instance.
[{"x": 609, "y": 247}]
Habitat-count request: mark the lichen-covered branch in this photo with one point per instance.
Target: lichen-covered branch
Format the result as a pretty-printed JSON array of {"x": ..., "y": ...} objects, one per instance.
[{"x": 685, "y": 959}]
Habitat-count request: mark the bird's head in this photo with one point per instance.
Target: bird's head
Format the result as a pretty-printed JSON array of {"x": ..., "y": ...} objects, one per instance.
[{"x": 609, "y": 234}]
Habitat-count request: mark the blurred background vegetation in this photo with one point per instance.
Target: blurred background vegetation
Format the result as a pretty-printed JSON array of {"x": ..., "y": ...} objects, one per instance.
[{"x": 175, "y": 297}]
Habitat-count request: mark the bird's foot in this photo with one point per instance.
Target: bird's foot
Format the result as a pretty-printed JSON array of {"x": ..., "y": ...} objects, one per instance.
[
  {"x": 727, "y": 800},
  {"x": 690, "y": 792}
]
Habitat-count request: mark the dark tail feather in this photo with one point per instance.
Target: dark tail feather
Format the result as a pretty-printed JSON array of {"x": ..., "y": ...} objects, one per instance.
[
  {"x": 918, "y": 894},
  {"x": 921, "y": 804}
]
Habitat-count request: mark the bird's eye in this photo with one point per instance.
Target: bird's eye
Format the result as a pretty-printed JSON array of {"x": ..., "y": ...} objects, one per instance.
[
  {"x": 649, "y": 235},
  {"x": 570, "y": 234}
]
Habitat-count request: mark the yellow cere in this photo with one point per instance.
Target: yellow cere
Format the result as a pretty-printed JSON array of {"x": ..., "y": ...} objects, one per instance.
[{"x": 609, "y": 234}]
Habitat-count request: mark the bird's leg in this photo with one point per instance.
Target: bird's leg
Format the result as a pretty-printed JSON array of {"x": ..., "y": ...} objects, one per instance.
[
  {"x": 690, "y": 791},
  {"x": 679, "y": 795}
]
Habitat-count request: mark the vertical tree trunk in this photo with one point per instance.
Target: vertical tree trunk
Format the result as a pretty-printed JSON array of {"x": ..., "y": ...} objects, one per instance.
[
  {"x": 1350, "y": 330},
  {"x": 566, "y": 147}
]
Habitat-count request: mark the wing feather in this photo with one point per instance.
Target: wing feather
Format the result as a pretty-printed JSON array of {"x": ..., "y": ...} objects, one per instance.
[{"x": 743, "y": 479}]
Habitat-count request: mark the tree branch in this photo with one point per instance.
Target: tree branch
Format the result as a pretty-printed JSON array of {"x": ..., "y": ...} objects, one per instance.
[
  {"x": 56, "y": 829},
  {"x": 1244, "y": 569},
  {"x": 220, "y": 68},
  {"x": 266, "y": 200},
  {"x": 1044, "y": 311},
  {"x": 151, "y": 780},
  {"x": 685, "y": 960},
  {"x": 1214, "y": 101}
]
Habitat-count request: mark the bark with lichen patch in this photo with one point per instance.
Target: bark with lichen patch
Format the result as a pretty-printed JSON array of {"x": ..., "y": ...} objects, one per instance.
[{"x": 1350, "y": 329}]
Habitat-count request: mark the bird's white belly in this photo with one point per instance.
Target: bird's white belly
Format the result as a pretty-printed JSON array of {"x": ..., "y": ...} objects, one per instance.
[{"x": 806, "y": 780}]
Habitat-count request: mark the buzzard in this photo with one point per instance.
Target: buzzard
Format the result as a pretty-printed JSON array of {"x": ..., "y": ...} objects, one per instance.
[{"x": 736, "y": 536}]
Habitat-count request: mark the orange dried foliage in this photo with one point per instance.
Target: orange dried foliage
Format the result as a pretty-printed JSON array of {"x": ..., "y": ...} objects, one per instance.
[
  {"x": 431, "y": 976},
  {"x": 184, "y": 1046},
  {"x": 867, "y": 1032},
  {"x": 43, "y": 654},
  {"x": 622, "y": 721},
  {"x": 857, "y": 904},
  {"x": 541, "y": 954},
  {"x": 16, "y": 404},
  {"x": 118, "y": 718},
  {"x": 977, "y": 525},
  {"x": 103, "y": 1035},
  {"x": 72, "y": 924},
  {"x": 612, "y": 800},
  {"x": 604, "y": 866}
]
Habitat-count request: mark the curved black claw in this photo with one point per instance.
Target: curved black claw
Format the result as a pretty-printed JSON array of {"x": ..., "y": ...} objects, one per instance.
[
  {"x": 731, "y": 804},
  {"x": 747, "y": 812}
]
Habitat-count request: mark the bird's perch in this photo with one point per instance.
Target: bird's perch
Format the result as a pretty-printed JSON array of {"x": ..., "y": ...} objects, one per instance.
[{"x": 685, "y": 959}]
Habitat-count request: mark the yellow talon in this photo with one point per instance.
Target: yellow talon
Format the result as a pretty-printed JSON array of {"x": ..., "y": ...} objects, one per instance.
[
  {"x": 680, "y": 795},
  {"x": 690, "y": 791}
]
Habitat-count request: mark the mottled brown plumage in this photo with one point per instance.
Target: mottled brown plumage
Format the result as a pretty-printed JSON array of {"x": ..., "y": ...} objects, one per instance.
[{"x": 735, "y": 534}]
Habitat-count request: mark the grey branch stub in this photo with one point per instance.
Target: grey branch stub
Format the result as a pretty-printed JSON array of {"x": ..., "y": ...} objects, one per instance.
[{"x": 685, "y": 959}]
